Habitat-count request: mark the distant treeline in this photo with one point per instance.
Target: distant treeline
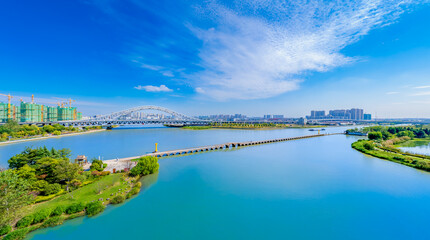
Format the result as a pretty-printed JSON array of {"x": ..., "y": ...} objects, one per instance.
[
  {"x": 13, "y": 130},
  {"x": 386, "y": 133}
]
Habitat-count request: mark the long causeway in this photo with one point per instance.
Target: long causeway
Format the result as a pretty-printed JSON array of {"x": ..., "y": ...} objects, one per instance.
[{"x": 123, "y": 163}]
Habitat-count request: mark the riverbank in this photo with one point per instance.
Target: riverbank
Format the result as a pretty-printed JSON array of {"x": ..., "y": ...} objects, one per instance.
[
  {"x": 20, "y": 140},
  {"x": 87, "y": 198},
  {"x": 265, "y": 126},
  {"x": 412, "y": 160}
]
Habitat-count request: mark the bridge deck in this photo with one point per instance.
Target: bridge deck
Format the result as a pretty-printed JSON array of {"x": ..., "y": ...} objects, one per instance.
[{"x": 122, "y": 163}]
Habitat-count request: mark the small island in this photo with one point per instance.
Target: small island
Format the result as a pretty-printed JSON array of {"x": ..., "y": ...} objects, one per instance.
[
  {"x": 384, "y": 142},
  {"x": 43, "y": 188},
  {"x": 238, "y": 125}
]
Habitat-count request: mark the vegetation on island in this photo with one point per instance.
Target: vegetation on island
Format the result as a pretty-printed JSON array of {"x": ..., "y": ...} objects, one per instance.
[
  {"x": 197, "y": 127},
  {"x": 13, "y": 131},
  {"x": 259, "y": 125},
  {"x": 42, "y": 188},
  {"x": 383, "y": 142}
]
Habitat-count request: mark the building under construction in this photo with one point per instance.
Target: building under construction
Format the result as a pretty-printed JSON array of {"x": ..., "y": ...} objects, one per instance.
[{"x": 32, "y": 112}]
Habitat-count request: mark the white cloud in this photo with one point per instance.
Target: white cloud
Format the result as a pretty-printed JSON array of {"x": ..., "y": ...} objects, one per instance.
[
  {"x": 150, "y": 88},
  {"x": 260, "y": 49},
  {"x": 391, "y": 93},
  {"x": 168, "y": 74},
  {"x": 421, "y": 87},
  {"x": 421, "y": 94},
  {"x": 199, "y": 90}
]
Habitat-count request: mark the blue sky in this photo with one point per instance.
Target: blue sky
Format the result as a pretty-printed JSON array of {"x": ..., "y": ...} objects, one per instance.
[{"x": 206, "y": 57}]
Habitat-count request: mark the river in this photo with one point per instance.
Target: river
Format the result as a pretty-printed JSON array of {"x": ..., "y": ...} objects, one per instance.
[{"x": 317, "y": 188}]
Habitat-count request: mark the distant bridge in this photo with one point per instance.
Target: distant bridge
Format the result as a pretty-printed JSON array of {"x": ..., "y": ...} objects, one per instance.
[{"x": 120, "y": 118}]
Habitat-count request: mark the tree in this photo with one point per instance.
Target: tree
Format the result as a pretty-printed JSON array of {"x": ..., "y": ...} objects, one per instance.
[
  {"x": 13, "y": 196},
  {"x": 48, "y": 128},
  {"x": 374, "y": 135},
  {"x": 10, "y": 127},
  {"x": 66, "y": 171},
  {"x": 368, "y": 146},
  {"x": 421, "y": 134},
  {"x": 145, "y": 166},
  {"x": 26, "y": 172},
  {"x": 32, "y": 156}
]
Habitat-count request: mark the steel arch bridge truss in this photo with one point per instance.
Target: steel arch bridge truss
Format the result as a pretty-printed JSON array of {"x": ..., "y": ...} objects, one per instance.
[{"x": 117, "y": 115}]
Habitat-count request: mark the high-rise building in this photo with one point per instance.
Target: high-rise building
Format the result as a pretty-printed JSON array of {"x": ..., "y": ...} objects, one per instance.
[
  {"x": 317, "y": 114},
  {"x": 339, "y": 114},
  {"x": 367, "y": 116},
  {"x": 356, "y": 114}
]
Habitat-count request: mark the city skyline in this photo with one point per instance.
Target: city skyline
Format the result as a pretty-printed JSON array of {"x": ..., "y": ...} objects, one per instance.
[{"x": 188, "y": 56}]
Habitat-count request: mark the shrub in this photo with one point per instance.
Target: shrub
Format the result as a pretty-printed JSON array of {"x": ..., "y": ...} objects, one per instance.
[
  {"x": 374, "y": 135},
  {"x": 5, "y": 229},
  {"x": 145, "y": 166},
  {"x": 117, "y": 199},
  {"x": 133, "y": 191},
  {"x": 97, "y": 165},
  {"x": 52, "y": 189},
  {"x": 94, "y": 208},
  {"x": 74, "y": 208},
  {"x": 54, "y": 221},
  {"x": 138, "y": 185},
  {"x": 96, "y": 173},
  {"x": 16, "y": 235},
  {"x": 40, "y": 216},
  {"x": 58, "y": 211},
  {"x": 368, "y": 146},
  {"x": 56, "y": 132},
  {"x": 25, "y": 221}
]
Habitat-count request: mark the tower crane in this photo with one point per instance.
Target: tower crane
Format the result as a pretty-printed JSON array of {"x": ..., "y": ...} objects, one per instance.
[
  {"x": 63, "y": 100},
  {"x": 9, "y": 98}
]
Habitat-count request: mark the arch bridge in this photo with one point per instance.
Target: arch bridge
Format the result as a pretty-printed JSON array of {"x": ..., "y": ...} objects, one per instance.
[{"x": 123, "y": 118}]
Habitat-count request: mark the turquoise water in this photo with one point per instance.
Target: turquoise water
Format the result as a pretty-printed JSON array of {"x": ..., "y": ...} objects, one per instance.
[{"x": 316, "y": 188}]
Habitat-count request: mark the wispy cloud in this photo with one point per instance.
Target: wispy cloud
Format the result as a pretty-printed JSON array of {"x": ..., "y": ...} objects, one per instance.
[
  {"x": 421, "y": 94},
  {"x": 260, "y": 49},
  {"x": 391, "y": 93},
  {"x": 421, "y": 87},
  {"x": 162, "y": 70},
  {"x": 150, "y": 88}
]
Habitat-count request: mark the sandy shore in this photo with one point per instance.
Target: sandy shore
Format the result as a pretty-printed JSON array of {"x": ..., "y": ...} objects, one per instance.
[{"x": 52, "y": 136}]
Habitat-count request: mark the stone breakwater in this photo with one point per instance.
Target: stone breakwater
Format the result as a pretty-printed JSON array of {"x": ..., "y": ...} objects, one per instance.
[{"x": 127, "y": 163}]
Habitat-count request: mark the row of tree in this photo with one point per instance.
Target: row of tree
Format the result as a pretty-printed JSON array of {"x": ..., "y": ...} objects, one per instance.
[
  {"x": 386, "y": 133},
  {"x": 13, "y": 130}
]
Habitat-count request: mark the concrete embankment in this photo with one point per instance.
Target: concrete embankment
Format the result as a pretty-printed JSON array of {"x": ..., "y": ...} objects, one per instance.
[{"x": 123, "y": 163}]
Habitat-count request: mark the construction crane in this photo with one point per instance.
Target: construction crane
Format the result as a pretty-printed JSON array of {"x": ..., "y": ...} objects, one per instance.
[
  {"x": 70, "y": 102},
  {"x": 9, "y": 98},
  {"x": 66, "y": 100}
]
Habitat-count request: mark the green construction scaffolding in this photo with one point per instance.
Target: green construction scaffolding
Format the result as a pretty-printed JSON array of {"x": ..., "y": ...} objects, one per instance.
[{"x": 33, "y": 113}]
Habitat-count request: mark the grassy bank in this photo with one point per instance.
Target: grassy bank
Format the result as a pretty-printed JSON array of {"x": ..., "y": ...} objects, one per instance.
[
  {"x": 375, "y": 150},
  {"x": 197, "y": 127},
  {"x": 80, "y": 192},
  {"x": 13, "y": 132},
  {"x": 261, "y": 126},
  {"x": 87, "y": 200}
]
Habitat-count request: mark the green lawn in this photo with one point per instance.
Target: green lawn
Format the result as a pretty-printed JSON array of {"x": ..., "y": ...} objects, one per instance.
[{"x": 102, "y": 188}]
